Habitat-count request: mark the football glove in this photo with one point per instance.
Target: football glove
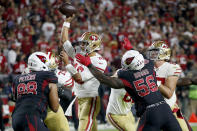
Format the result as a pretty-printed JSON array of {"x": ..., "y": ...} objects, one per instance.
[
  {"x": 85, "y": 60},
  {"x": 127, "y": 44}
]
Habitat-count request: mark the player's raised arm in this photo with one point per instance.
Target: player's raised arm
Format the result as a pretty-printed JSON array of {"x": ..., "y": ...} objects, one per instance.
[
  {"x": 110, "y": 81},
  {"x": 65, "y": 29},
  {"x": 65, "y": 43}
]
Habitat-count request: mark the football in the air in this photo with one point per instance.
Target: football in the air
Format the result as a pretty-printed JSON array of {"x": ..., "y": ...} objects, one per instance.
[{"x": 67, "y": 9}]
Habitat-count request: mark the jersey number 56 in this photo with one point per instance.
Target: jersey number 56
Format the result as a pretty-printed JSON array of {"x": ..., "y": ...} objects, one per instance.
[{"x": 142, "y": 88}]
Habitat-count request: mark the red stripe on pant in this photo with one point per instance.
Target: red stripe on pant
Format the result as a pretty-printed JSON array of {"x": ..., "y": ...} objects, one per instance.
[
  {"x": 142, "y": 125},
  {"x": 114, "y": 123},
  {"x": 91, "y": 114},
  {"x": 31, "y": 127}
]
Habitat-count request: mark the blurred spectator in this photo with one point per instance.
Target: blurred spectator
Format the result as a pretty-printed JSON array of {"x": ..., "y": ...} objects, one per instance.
[
  {"x": 12, "y": 54},
  {"x": 20, "y": 64},
  {"x": 3, "y": 62},
  {"x": 48, "y": 28}
]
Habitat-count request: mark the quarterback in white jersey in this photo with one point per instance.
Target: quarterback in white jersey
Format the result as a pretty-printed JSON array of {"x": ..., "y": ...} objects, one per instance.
[
  {"x": 86, "y": 91},
  {"x": 119, "y": 110},
  {"x": 87, "y": 85},
  {"x": 167, "y": 76}
]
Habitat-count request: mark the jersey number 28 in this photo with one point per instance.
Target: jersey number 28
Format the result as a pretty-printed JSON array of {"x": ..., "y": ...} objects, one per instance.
[{"x": 29, "y": 88}]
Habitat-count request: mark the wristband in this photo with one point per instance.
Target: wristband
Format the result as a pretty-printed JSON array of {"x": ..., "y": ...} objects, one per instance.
[
  {"x": 71, "y": 69},
  {"x": 66, "y": 24}
]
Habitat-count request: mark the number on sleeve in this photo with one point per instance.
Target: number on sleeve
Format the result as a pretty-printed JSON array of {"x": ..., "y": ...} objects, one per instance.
[
  {"x": 127, "y": 98},
  {"x": 78, "y": 67}
]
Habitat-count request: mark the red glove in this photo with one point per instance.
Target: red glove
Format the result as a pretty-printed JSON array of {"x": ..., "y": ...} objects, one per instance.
[
  {"x": 127, "y": 44},
  {"x": 85, "y": 60}
]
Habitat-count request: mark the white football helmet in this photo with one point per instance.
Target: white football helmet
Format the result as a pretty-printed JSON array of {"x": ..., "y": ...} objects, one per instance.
[
  {"x": 52, "y": 61},
  {"x": 36, "y": 62},
  {"x": 132, "y": 60},
  {"x": 159, "y": 51}
]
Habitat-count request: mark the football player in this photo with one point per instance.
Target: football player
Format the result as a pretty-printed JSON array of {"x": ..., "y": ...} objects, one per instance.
[
  {"x": 138, "y": 78},
  {"x": 34, "y": 92},
  {"x": 87, "y": 85},
  {"x": 118, "y": 111},
  {"x": 57, "y": 121},
  {"x": 167, "y": 76},
  {"x": 119, "y": 106}
]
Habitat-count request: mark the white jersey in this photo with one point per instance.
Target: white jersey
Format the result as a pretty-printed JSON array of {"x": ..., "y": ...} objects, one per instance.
[
  {"x": 163, "y": 72},
  {"x": 64, "y": 78},
  {"x": 119, "y": 102},
  {"x": 90, "y": 85}
]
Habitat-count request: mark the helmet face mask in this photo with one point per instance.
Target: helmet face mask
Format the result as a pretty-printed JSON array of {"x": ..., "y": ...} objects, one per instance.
[
  {"x": 80, "y": 47},
  {"x": 159, "y": 51},
  {"x": 89, "y": 42},
  {"x": 153, "y": 54},
  {"x": 52, "y": 61}
]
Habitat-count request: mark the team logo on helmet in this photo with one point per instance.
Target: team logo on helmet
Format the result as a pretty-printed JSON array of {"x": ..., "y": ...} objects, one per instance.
[
  {"x": 42, "y": 58},
  {"x": 129, "y": 60},
  {"x": 93, "y": 38}
]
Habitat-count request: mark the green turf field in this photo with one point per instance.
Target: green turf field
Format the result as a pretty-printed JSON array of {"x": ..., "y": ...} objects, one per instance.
[{"x": 194, "y": 128}]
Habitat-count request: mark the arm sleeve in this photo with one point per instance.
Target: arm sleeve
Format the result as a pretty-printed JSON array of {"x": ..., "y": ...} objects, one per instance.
[
  {"x": 174, "y": 70},
  {"x": 64, "y": 78},
  {"x": 99, "y": 63},
  {"x": 69, "y": 49}
]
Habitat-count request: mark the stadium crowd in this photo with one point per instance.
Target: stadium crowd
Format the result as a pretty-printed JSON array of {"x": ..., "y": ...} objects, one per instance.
[{"x": 27, "y": 26}]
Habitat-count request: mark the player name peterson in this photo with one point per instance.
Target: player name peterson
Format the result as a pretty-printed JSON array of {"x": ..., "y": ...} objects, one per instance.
[{"x": 27, "y": 77}]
